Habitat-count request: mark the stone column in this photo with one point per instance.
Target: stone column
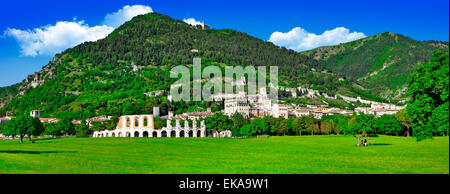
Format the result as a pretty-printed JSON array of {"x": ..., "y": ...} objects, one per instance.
[
  {"x": 194, "y": 124},
  {"x": 177, "y": 124},
  {"x": 186, "y": 124},
  {"x": 151, "y": 124},
  {"x": 169, "y": 125}
]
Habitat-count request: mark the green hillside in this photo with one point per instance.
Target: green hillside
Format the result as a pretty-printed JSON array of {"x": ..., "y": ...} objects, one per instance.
[
  {"x": 110, "y": 76},
  {"x": 380, "y": 63}
]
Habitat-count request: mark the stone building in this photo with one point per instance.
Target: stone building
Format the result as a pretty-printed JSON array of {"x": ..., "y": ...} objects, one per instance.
[
  {"x": 233, "y": 106},
  {"x": 143, "y": 126}
]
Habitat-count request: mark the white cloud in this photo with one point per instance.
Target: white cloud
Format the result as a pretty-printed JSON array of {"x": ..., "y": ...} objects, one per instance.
[
  {"x": 299, "y": 39},
  {"x": 51, "y": 39},
  {"x": 192, "y": 21},
  {"x": 125, "y": 14}
]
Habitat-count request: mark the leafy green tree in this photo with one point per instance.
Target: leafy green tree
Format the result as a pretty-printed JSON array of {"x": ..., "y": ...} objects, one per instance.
[
  {"x": 218, "y": 122},
  {"x": 82, "y": 129},
  {"x": 404, "y": 119},
  {"x": 360, "y": 124},
  {"x": 66, "y": 126},
  {"x": 289, "y": 125},
  {"x": 260, "y": 126},
  {"x": 238, "y": 122},
  {"x": 23, "y": 125},
  {"x": 51, "y": 129},
  {"x": 439, "y": 119},
  {"x": 387, "y": 124},
  {"x": 428, "y": 88},
  {"x": 247, "y": 130}
]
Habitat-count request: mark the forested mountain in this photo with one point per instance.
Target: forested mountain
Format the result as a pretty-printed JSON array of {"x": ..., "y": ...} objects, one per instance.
[
  {"x": 110, "y": 76},
  {"x": 379, "y": 63},
  {"x": 7, "y": 93}
]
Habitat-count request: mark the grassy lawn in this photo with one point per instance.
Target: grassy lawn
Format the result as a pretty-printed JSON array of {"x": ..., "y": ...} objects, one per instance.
[{"x": 292, "y": 155}]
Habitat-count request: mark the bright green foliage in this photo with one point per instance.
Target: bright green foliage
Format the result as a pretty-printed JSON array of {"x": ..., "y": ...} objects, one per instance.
[
  {"x": 51, "y": 129},
  {"x": 428, "y": 88},
  {"x": 387, "y": 124},
  {"x": 218, "y": 122},
  {"x": 110, "y": 76},
  {"x": 319, "y": 154},
  {"x": 260, "y": 125},
  {"x": 360, "y": 124},
  {"x": 238, "y": 122},
  {"x": 404, "y": 119},
  {"x": 66, "y": 126},
  {"x": 247, "y": 130},
  {"x": 23, "y": 125},
  {"x": 380, "y": 63},
  {"x": 82, "y": 130}
]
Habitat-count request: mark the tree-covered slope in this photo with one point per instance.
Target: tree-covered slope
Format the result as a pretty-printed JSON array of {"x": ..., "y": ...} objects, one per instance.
[
  {"x": 7, "y": 93},
  {"x": 379, "y": 63}
]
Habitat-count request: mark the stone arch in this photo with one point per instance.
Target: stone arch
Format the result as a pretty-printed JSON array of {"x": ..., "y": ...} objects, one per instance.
[
  {"x": 163, "y": 133},
  {"x": 191, "y": 133},
  {"x": 173, "y": 133},
  {"x": 199, "y": 134},
  {"x": 136, "y": 134},
  {"x": 155, "y": 134},
  {"x": 145, "y": 134},
  {"x": 106, "y": 135},
  {"x": 182, "y": 133},
  {"x": 113, "y": 134},
  {"x": 128, "y": 134},
  {"x": 128, "y": 122},
  {"x": 120, "y": 134}
]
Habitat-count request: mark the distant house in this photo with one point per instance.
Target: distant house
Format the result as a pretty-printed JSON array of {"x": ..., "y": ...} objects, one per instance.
[
  {"x": 35, "y": 113},
  {"x": 3, "y": 120}
]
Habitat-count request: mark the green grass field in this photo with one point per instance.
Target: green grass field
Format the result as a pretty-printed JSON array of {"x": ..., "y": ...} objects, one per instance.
[{"x": 286, "y": 155}]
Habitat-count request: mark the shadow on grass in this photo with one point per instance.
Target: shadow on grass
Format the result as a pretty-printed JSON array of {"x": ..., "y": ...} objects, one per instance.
[
  {"x": 381, "y": 144},
  {"x": 44, "y": 139},
  {"x": 34, "y": 152}
]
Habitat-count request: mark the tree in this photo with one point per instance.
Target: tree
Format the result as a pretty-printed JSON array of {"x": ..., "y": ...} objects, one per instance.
[
  {"x": 387, "y": 124},
  {"x": 218, "y": 122},
  {"x": 66, "y": 126},
  {"x": 289, "y": 125},
  {"x": 82, "y": 129},
  {"x": 238, "y": 122},
  {"x": 22, "y": 126},
  {"x": 326, "y": 127},
  {"x": 260, "y": 126},
  {"x": 359, "y": 124},
  {"x": 404, "y": 119},
  {"x": 300, "y": 125},
  {"x": 51, "y": 129},
  {"x": 439, "y": 119},
  {"x": 247, "y": 130},
  {"x": 428, "y": 88},
  {"x": 282, "y": 127}
]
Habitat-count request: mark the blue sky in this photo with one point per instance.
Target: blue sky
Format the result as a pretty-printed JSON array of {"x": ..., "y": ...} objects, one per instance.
[{"x": 300, "y": 25}]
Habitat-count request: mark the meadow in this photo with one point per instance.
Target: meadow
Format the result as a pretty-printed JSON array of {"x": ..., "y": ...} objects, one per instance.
[{"x": 278, "y": 155}]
